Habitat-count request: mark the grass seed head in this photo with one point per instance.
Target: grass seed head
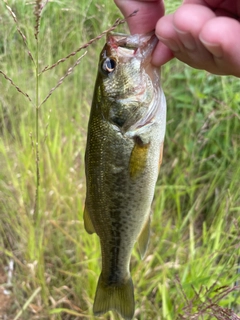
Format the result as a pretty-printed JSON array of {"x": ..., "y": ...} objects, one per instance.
[{"x": 37, "y": 13}]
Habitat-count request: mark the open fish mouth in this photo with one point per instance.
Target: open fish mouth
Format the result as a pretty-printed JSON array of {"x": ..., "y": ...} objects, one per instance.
[
  {"x": 130, "y": 42},
  {"x": 134, "y": 44}
]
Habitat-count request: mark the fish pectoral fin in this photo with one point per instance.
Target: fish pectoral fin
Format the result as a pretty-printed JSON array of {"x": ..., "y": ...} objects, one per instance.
[
  {"x": 138, "y": 159},
  {"x": 118, "y": 297},
  {"x": 143, "y": 238},
  {"x": 88, "y": 222}
]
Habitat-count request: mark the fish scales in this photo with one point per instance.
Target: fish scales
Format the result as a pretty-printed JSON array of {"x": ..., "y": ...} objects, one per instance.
[{"x": 123, "y": 154}]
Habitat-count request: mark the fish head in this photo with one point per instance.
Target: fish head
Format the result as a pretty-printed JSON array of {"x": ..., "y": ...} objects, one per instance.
[
  {"x": 124, "y": 62},
  {"x": 127, "y": 79}
]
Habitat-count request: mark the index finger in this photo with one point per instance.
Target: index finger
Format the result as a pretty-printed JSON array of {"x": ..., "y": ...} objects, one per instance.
[{"x": 149, "y": 11}]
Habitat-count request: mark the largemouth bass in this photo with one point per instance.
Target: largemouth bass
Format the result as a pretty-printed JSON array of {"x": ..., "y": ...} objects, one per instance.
[{"x": 123, "y": 156}]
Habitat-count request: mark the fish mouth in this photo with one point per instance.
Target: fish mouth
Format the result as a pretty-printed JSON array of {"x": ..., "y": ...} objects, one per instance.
[{"x": 142, "y": 44}]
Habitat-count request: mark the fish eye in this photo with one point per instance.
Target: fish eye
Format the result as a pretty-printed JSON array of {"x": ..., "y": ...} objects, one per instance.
[{"x": 108, "y": 65}]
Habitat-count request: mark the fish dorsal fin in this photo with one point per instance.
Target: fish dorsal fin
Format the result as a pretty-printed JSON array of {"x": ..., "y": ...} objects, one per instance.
[
  {"x": 88, "y": 222},
  {"x": 143, "y": 238}
]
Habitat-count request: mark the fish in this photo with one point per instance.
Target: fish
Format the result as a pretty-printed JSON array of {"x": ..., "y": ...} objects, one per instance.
[{"x": 123, "y": 155}]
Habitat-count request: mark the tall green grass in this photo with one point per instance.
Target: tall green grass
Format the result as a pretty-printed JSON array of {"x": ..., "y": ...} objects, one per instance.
[{"x": 191, "y": 266}]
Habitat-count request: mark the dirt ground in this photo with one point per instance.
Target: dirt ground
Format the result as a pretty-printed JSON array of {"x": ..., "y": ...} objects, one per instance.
[{"x": 5, "y": 300}]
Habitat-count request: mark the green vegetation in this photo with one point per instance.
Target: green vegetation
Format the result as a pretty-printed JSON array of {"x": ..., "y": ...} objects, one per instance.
[{"x": 191, "y": 265}]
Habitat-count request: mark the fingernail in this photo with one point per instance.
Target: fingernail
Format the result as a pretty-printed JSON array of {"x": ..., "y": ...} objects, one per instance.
[
  {"x": 186, "y": 39},
  {"x": 171, "y": 44},
  {"x": 214, "y": 49}
]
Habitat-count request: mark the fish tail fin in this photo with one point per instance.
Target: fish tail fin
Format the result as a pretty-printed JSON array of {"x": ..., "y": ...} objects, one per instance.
[{"x": 115, "y": 297}]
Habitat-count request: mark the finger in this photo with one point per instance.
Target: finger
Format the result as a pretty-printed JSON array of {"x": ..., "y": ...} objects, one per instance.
[
  {"x": 168, "y": 43},
  {"x": 167, "y": 34},
  {"x": 188, "y": 21},
  {"x": 180, "y": 32},
  {"x": 161, "y": 55},
  {"x": 149, "y": 11},
  {"x": 202, "y": 2},
  {"x": 220, "y": 38},
  {"x": 227, "y": 8}
]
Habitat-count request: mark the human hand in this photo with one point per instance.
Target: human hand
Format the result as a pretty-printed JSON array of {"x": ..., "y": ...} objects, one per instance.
[
  {"x": 203, "y": 34},
  {"x": 149, "y": 11}
]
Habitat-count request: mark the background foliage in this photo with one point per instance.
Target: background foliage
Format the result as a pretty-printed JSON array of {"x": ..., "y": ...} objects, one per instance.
[{"x": 191, "y": 266}]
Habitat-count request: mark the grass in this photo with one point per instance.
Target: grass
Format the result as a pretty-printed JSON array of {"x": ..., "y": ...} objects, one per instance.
[{"x": 191, "y": 266}]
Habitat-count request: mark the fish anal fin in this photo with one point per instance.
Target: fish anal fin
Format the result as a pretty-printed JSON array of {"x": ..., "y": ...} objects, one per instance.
[
  {"x": 138, "y": 159},
  {"x": 143, "y": 238},
  {"x": 88, "y": 222},
  {"x": 119, "y": 297}
]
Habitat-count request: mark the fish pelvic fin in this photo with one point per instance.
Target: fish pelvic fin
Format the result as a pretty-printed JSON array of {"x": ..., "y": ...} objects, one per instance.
[
  {"x": 118, "y": 297},
  {"x": 88, "y": 225},
  {"x": 143, "y": 238},
  {"x": 160, "y": 157}
]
